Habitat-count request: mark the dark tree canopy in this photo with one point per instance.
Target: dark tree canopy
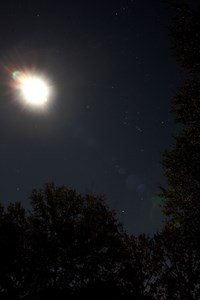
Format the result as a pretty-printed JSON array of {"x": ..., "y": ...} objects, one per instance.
[
  {"x": 186, "y": 103},
  {"x": 79, "y": 239},
  {"x": 185, "y": 37},
  {"x": 181, "y": 163},
  {"x": 180, "y": 240},
  {"x": 68, "y": 245}
]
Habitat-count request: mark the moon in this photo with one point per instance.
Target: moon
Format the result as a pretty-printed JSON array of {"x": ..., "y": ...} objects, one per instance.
[{"x": 33, "y": 89}]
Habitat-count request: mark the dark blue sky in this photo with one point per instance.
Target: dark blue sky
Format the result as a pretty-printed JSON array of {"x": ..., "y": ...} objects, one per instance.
[{"x": 112, "y": 78}]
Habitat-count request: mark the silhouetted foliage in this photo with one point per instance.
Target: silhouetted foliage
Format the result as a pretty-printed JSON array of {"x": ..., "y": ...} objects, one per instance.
[
  {"x": 176, "y": 267},
  {"x": 67, "y": 246},
  {"x": 13, "y": 227},
  {"x": 180, "y": 239},
  {"x": 77, "y": 239},
  {"x": 185, "y": 37},
  {"x": 181, "y": 163}
]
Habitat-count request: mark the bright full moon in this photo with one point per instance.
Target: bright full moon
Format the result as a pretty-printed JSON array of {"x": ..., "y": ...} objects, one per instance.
[{"x": 34, "y": 90}]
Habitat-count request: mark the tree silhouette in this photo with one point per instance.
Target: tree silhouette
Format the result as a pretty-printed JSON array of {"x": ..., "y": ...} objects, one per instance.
[
  {"x": 185, "y": 39},
  {"x": 13, "y": 228},
  {"x": 77, "y": 239},
  {"x": 68, "y": 245},
  {"x": 181, "y": 163},
  {"x": 177, "y": 272},
  {"x": 179, "y": 242}
]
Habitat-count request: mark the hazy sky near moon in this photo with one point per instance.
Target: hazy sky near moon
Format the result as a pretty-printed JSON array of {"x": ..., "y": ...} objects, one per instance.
[{"x": 108, "y": 122}]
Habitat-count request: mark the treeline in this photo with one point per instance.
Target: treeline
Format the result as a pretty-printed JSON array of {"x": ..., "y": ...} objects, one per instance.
[{"x": 72, "y": 246}]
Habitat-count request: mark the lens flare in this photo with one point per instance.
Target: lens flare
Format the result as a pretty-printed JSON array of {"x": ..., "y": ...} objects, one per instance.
[{"x": 16, "y": 75}]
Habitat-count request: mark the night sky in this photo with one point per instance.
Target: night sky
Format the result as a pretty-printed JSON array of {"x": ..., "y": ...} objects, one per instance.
[{"x": 112, "y": 77}]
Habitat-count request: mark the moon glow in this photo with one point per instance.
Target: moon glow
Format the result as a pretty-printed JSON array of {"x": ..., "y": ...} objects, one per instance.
[{"x": 33, "y": 89}]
